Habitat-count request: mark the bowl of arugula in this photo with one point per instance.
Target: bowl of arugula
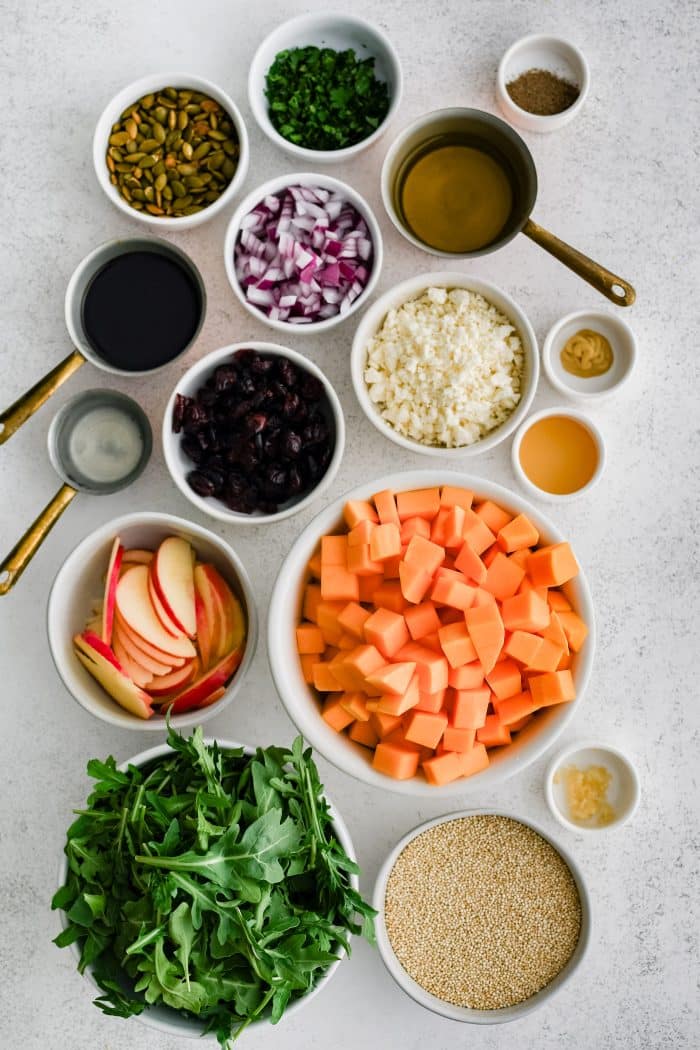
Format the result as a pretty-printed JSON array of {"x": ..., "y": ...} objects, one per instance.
[
  {"x": 325, "y": 86},
  {"x": 209, "y": 887}
]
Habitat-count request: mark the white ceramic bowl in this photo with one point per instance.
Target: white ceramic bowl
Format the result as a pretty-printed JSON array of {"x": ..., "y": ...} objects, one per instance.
[
  {"x": 540, "y": 51},
  {"x": 412, "y": 289},
  {"x": 301, "y": 700},
  {"x": 180, "y": 465},
  {"x": 80, "y": 582},
  {"x": 172, "y": 1022},
  {"x": 276, "y": 185},
  {"x": 338, "y": 31},
  {"x": 535, "y": 490},
  {"x": 464, "y": 1013},
  {"x": 132, "y": 93},
  {"x": 624, "y": 348},
  {"x": 623, "y": 794}
]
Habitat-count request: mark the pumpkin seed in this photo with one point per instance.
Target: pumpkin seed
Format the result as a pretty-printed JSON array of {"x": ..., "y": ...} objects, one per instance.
[
  {"x": 193, "y": 209},
  {"x": 178, "y": 188},
  {"x": 131, "y": 128},
  {"x": 215, "y": 160},
  {"x": 187, "y": 150},
  {"x": 147, "y": 101},
  {"x": 161, "y": 181},
  {"x": 219, "y": 136},
  {"x": 120, "y": 138},
  {"x": 228, "y": 168},
  {"x": 182, "y": 202},
  {"x": 154, "y": 209},
  {"x": 161, "y": 114},
  {"x": 148, "y": 145},
  {"x": 201, "y": 150}
]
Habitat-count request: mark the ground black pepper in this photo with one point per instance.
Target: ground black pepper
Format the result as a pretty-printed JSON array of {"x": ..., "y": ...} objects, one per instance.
[{"x": 541, "y": 92}]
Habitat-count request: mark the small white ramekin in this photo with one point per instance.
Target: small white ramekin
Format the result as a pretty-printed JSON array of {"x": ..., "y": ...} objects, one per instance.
[
  {"x": 132, "y": 93},
  {"x": 338, "y": 31},
  {"x": 412, "y": 289},
  {"x": 535, "y": 490},
  {"x": 80, "y": 581},
  {"x": 179, "y": 465},
  {"x": 464, "y": 1013},
  {"x": 624, "y": 792},
  {"x": 624, "y": 347},
  {"x": 276, "y": 185},
  {"x": 553, "y": 54}
]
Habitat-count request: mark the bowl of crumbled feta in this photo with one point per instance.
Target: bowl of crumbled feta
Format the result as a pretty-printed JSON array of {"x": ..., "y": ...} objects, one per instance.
[{"x": 445, "y": 364}]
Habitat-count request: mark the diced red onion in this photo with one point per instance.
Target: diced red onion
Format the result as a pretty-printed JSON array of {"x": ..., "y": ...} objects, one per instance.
[{"x": 303, "y": 255}]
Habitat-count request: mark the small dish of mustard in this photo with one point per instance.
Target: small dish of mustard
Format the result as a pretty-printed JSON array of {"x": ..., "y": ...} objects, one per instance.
[
  {"x": 592, "y": 787},
  {"x": 589, "y": 354}
]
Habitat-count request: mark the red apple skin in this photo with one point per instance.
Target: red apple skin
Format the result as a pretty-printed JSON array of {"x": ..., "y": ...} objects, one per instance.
[
  {"x": 204, "y": 631},
  {"x": 135, "y": 608},
  {"x": 212, "y": 698},
  {"x": 172, "y": 575},
  {"x": 88, "y": 640},
  {"x": 209, "y": 595},
  {"x": 175, "y": 681},
  {"x": 232, "y": 622},
  {"x": 200, "y": 690},
  {"x": 160, "y": 610},
  {"x": 111, "y": 581}
]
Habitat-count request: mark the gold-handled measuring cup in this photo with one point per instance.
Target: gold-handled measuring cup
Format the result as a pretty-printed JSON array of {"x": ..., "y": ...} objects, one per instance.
[
  {"x": 70, "y": 441},
  {"x": 26, "y": 405},
  {"x": 493, "y": 136}
]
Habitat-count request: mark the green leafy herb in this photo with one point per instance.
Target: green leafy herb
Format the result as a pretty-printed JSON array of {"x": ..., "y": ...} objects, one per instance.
[
  {"x": 210, "y": 881},
  {"x": 324, "y": 99}
]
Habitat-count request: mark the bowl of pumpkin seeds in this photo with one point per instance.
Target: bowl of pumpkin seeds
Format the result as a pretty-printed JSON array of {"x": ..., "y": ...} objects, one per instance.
[{"x": 171, "y": 150}]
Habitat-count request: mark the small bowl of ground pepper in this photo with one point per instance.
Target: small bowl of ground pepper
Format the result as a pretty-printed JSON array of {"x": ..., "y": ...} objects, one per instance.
[
  {"x": 542, "y": 83},
  {"x": 589, "y": 354},
  {"x": 481, "y": 916}
]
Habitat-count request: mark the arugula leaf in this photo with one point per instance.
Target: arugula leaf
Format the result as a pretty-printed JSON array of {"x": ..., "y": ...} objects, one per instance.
[{"x": 210, "y": 882}]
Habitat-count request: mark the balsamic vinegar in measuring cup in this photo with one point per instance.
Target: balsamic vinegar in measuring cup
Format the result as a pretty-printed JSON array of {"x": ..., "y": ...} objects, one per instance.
[
  {"x": 141, "y": 309},
  {"x": 454, "y": 194}
]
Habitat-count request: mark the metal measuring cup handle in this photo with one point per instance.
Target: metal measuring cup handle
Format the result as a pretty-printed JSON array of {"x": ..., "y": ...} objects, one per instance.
[
  {"x": 26, "y": 405},
  {"x": 24, "y": 550},
  {"x": 614, "y": 288}
]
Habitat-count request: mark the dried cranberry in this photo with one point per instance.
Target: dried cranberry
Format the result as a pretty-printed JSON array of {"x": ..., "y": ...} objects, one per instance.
[
  {"x": 195, "y": 416},
  {"x": 181, "y": 403},
  {"x": 255, "y": 422},
  {"x": 245, "y": 358},
  {"x": 241, "y": 408},
  {"x": 216, "y": 477},
  {"x": 246, "y": 384},
  {"x": 200, "y": 483},
  {"x": 295, "y": 482},
  {"x": 311, "y": 388},
  {"x": 314, "y": 433},
  {"x": 191, "y": 447},
  {"x": 249, "y": 459},
  {"x": 290, "y": 444},
  {"x": 290, "y": 405},
  {"x": 262, "y": 365},
  {"x": 287, "y": 372},
  {"x": 225, "y": 378},
  {"x": 207, "y": 396}
]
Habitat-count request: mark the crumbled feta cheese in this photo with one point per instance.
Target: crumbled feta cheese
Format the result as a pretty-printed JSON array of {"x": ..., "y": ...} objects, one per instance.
[{"x": 446, "y": 368}]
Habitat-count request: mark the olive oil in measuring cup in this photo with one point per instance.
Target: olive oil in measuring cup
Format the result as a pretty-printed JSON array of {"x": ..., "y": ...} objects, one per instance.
[{"x": 454, "y": 195}]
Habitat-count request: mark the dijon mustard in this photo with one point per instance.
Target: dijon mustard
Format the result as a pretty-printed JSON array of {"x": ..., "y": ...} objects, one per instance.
[{"x": 587, "y": 354}]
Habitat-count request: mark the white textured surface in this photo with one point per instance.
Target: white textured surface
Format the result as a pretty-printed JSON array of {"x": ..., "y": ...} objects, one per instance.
[{"x": 618, "y": 182}]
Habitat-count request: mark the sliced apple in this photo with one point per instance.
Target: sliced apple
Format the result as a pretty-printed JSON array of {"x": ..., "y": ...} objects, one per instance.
[
  {"x": 137, "y": 556},
  {"x": 213, "y": 607},
  {"x": 160, "y": 610},
  {"x": 106, "y": 669},
  {"x": 146, "y": 647},
  {"x": 204, "y": 631},
  {"x": 111, "y": 581},
  {"x": 172, "y": 572},
  {"x": 135, "y": 671},
  {"x": 212, "y": 698},
  {"x": 175, "y": 681},
  {"x": 135, "y": 608},
  {"x": 149, "y": 663},
  {"x": 200, "y": 690}
]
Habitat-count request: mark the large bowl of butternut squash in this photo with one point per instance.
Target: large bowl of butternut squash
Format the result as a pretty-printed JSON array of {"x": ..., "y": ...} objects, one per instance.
[{"x": 431, "y": 632}]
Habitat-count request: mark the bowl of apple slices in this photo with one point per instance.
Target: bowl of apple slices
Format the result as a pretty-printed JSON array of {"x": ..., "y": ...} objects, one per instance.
[{"x": 152, "y": 615}]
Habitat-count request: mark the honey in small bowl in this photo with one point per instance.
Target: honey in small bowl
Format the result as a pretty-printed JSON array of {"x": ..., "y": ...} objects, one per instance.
[{"x": 559, "y": 454}]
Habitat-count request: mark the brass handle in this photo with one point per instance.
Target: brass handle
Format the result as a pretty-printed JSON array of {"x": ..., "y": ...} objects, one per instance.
[
  {"x": 614, "y": 288},
  {"x": 26, "y": 405},
  {"x": 22, "y": 553}
]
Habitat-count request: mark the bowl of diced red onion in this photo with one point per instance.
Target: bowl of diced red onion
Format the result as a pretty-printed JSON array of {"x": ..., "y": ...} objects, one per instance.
[
  {"x": 303, "y": 251},
  {"x": 253, "y": 433}
]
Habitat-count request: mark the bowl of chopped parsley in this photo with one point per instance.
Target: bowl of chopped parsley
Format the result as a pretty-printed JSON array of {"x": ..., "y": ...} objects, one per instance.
[
  {"x": 323, "y": 87},
  {"x": 207, "y": 888}
]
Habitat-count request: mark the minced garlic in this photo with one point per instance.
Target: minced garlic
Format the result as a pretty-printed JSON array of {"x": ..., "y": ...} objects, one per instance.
[{"x": 586, "y": 794}]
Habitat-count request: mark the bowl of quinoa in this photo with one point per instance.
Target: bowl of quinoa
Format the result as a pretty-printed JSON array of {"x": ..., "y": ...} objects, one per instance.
[
  {"x": 482, "y": 917},
  {"x": 445, "y": 364}
]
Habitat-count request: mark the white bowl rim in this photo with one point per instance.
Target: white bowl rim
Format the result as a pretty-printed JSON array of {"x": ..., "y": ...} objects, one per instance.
[
  {"x": 624, "y": 760},
  {"x": 135, "y": 90},
  {"x": 544, "y": 122},
  {"x": 459, "y": 1013},
  {"x": 615, "y": 321},
  {"x": 275, "y": 185},
  {"x": 160, "y": 518},
  {"x": 258, "y": 109},
  {"x": 410, "y": 289},
  {"x": 207, "y": 363},
  {"x": 311, "y": 727},
  {"x": 344, "y": 837},
  {"x": 547, "y": 413}
]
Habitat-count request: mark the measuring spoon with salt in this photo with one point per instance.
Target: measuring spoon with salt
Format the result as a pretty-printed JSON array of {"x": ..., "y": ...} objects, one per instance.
[{"x": 99, "y": 442}]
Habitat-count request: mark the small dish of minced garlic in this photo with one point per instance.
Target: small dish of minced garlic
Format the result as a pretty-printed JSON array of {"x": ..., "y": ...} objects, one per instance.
[{"x": 592, "y": 787}]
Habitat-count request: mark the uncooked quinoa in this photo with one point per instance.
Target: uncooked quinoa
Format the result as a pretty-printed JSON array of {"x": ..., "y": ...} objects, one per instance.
[
  {"x": 446, "y": 368},
  {"x": 482, "y": 912}
]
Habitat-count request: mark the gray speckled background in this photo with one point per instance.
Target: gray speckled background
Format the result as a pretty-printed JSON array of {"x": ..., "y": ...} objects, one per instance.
[{"x": 619, "y": 182}]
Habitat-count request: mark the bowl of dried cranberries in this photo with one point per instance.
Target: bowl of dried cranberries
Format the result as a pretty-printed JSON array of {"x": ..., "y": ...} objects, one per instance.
[{"x": 252, "y": 433}]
